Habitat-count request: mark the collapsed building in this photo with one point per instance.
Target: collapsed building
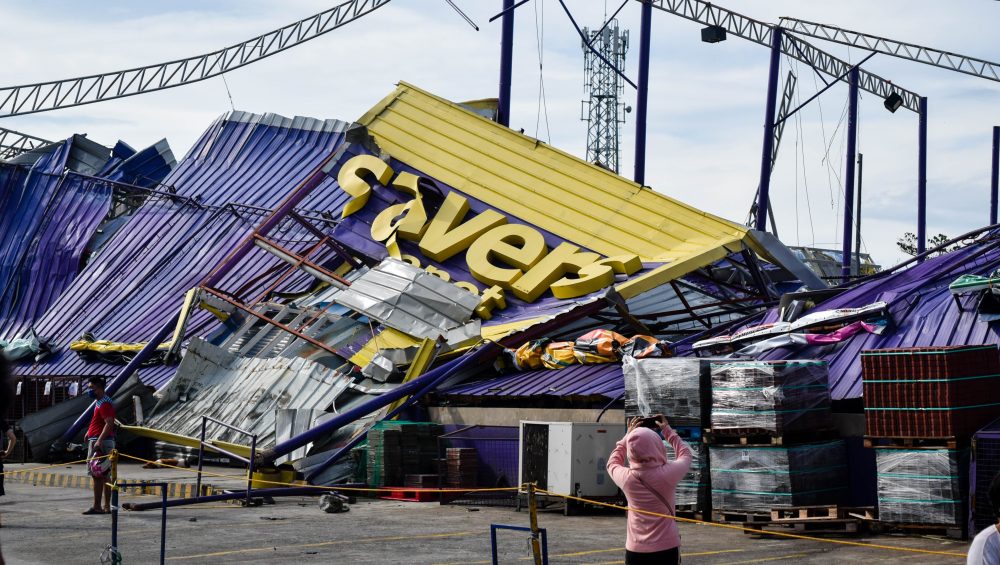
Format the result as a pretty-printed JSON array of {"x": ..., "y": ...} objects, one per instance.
[
  {"x": 292, "y": 287},
  {"x": 297, "y": 269}
]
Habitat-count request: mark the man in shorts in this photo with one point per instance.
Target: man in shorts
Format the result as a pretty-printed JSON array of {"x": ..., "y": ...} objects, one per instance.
[{"x": 100, "y": 441}]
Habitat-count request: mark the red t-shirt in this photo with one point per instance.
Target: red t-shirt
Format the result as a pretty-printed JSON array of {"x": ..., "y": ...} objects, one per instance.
[{"x": 103, "y": 413}]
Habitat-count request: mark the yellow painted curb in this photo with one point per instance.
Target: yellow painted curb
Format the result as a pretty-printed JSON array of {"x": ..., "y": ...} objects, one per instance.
[{"x": 63, "y": 480}]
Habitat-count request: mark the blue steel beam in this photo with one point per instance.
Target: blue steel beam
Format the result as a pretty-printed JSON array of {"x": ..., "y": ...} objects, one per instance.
[
  {"x": 763, "y": 193},
  {"x": 922, "y": 178},
  {"x": 506, "y": 62},
  {"x": 995, "y": 175},
  {"x": 852, "y": 149},
  {"x": 642, "y": 94}
]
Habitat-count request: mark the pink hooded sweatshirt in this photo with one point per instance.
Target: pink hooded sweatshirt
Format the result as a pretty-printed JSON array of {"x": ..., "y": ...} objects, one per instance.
[{"x": 647, "y": 458}]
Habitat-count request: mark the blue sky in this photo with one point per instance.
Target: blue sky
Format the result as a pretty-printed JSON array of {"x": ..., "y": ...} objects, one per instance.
[{"x": 706, "y": 101}]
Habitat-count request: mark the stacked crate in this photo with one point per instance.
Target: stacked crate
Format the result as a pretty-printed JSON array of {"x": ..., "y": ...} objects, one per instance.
[
  {"x": 930, "y": 392},
  {"x": 681, "y": 390},
  {"x": 461, "y": 467},
  {"x": 397, "y": 449},
  {"x": 385, "y": 458},
  {"x": 922, "y": 406},
  {"x": 766, "y": 420}
]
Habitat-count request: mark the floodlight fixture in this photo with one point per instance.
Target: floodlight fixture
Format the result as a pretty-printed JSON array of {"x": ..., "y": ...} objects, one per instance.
[
  {"x": 713, "y": 34},
  {"x": 893, "y": 102}
]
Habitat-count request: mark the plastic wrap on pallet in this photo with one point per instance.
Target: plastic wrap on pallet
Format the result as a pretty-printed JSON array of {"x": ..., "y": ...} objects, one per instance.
[
  {"x": 778, "y": 397},
  {"x": 693, "y": 490},
  {"x": 984, "y": 467},
  {"x": 759, "y": 478},
  {"x": 679, "y": 388},
  {"x": 922, "y": 486}
]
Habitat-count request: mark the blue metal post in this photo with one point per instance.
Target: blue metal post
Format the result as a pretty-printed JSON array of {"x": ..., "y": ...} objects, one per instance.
[
  {"x": 506, "y": 62},
  {"x": 163, "y": 524},
  {"x": 642, "y": 93},
  {"x": 768, "y": 145},
  {"x": 922, "y": 179},
  {"x": 115, "y": 498},
  {"x": 995, "y": 177},
  {"x": 493, "y": 544},
  {"x": 852, "y": 155},
  {"x": 115, "y": 559}
]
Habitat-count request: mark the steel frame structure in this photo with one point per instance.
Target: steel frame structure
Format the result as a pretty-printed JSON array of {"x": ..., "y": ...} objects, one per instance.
[
  {"x": 45, "y": 96},
  {"x": 909, "y": 51},
  {"x": 13, "y": 143}
]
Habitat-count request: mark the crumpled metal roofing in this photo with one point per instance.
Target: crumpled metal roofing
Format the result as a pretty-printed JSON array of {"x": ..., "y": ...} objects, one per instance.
[
  {"x": 604, "y": 380},
  {"x": 137, "y": 283},
  {"x": 409, "y": 299},
  {"x": 243, "y": 392},
  {"x": 923, "y": 313},
  {"x": 49, "y": 211}
]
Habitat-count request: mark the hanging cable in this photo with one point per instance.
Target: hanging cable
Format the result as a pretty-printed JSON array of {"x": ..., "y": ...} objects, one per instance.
[
  {"x": 542, "y": 106},
  {"x": 805, "y": 181},
  {"x": 230, "y": 94}
]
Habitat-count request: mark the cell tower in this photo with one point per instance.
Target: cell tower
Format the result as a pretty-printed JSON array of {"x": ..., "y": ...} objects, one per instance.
[{"x": 604, "y": 111}]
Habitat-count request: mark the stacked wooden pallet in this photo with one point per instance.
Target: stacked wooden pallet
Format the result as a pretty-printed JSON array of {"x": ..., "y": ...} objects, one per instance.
[
  {"x": 812, "y": 520},
  {"x": 922, "y": 406},
  {"x": 771, "y": 441}
]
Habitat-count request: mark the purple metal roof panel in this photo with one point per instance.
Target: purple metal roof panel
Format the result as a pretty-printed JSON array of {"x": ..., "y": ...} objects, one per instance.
[
  {"x": 138, "y": 281},
  {"x": 924, "y": 313},
  {"x": 604, "y": 380},
  {"x": 49, "y": 214},
  {"x": 46, "y": 222}
]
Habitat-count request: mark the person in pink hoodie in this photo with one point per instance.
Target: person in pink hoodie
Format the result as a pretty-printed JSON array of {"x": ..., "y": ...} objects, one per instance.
[{"x": 650, "y": 483}]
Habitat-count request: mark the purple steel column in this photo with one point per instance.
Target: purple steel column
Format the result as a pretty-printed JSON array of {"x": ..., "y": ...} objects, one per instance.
[
  {"x": 922, "y": 179},
  {"x": 995, "y": 177},
  {"x": 852, "y": 155},
  {"x": 642, "y": 93},
  {"x": 768, "y": 146},
  {"x": 506, "y": 62}
]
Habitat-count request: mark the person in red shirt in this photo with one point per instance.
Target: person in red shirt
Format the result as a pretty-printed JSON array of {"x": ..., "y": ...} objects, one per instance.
[{"x": 100, "y": 441}]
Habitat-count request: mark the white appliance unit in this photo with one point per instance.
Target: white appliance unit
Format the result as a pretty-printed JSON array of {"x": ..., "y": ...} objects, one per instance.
[{"x": 568, "y": 457}]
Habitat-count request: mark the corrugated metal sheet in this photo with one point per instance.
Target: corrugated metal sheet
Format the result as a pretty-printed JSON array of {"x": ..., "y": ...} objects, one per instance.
[
  {"x": 604, "y": 380},
  {"x": 923, "y": 312},
  {"x": 137, "y": 282},
  {"x": 409, "y": 299},
  {"x": 50, "y": 213},
  {"x": 243, "y": 392},
  {"x": 541, "y": 185}
]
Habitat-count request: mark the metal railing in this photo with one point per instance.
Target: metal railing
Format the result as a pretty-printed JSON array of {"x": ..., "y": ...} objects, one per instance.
[{"x": 249, "y": 461}]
